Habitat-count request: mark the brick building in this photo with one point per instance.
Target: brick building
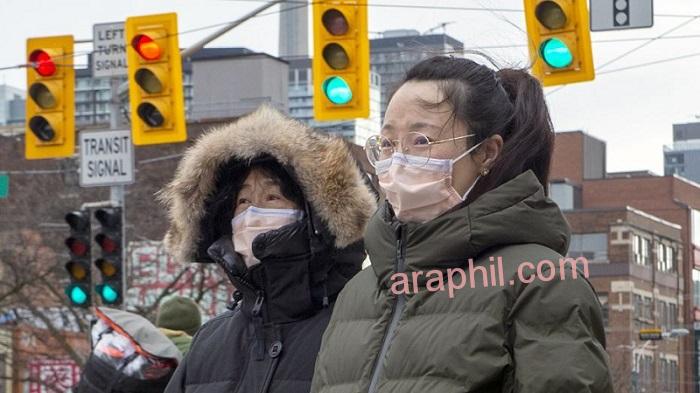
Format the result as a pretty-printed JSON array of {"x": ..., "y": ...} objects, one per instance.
[{"x": 643, "y": 231}]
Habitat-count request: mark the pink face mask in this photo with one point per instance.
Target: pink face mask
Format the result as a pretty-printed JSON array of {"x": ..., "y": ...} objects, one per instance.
[
  {"x": 417, "y": 190},
  {"x": 253, "y": 221}
]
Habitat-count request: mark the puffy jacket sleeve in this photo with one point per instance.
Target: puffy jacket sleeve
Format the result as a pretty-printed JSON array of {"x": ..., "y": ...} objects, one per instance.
[
  {"x": 557, "y": 337},
  {"x": 177, "y": 381}
]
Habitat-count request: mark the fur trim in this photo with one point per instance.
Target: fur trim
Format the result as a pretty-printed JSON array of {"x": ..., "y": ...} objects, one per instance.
[{"x": 323, "y": 166}]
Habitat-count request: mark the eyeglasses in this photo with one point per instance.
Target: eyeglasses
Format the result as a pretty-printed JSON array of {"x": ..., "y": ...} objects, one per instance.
[{"x": 416, "y": 144}]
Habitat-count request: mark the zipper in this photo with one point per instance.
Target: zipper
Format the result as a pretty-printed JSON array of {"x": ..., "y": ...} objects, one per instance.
[
  {"x": 397, "y": 311},
  {"x": 275, "y": 350},
  {"x": 259, "y": 349}
]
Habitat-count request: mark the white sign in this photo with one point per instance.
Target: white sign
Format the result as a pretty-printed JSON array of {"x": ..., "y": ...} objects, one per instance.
[
  {"x": 621, "y": 14},
  {"x": 106, "y": 158},
  {"x": 109, "y": 50}
]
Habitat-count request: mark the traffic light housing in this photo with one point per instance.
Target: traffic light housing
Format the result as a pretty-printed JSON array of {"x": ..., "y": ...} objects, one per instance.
[
  {"x": 78, "y": 267},
  {"x": 50, "y": 107},
  {"x": 110, "y": 260},
  {"x": 155, "y": 80},
  {"x": 341, "y": 60},
  {"x": 559, "y": 41}
]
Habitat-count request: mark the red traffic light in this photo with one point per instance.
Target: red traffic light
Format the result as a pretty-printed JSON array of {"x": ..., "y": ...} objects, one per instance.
[
  {"x": 107, "y": 244},
  {"x": 146, "y": 47},
  {"x": 42, "y": 62},
  {"x": 77, "y": 247}
]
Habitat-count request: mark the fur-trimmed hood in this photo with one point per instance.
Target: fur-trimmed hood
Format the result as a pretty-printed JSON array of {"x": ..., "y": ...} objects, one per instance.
[{"x": 322, "y": 165}]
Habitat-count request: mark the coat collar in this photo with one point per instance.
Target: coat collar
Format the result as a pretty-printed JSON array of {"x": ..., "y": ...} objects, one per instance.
[{"x": 515, "y": 212}]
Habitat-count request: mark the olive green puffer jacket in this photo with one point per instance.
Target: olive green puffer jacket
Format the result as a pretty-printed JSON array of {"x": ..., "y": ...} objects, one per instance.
[{"x": 541, "y": 336}]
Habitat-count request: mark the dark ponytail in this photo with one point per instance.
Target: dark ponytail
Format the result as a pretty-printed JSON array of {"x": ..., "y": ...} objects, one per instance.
[{"x": 509, "y": 102}]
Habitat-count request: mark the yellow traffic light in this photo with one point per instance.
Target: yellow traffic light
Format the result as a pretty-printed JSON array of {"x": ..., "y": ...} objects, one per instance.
[
  {"x": 155, "y": 80},
  {"x": 50, "y": 107},
  {"x": 559, "y": 41},
  {"x": 340, "y": 60}
]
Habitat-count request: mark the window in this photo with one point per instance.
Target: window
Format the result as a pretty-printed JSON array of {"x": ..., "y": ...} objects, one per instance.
[
  {"x": 644, "y": 365},
  {"x": 646, "y": 313},
  {"x": 665, "y": 261},
  {"x": 673, "y": 315},
  {"x": 664, "y": 380},
  {"x": 563, "y": 194},
  {"x": 641, "y": 250},
  {"x": 592, "y": 246},
  {"x": 673, "y": 376},
  {"x": 695, "y": 227},
  {"x": 696, "y": 286},
  {"x": 603, "y": 298},
  {"x": 662, "y": 314}
]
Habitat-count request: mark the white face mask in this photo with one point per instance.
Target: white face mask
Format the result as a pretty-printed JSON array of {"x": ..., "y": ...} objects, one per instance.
[
  {"x": 253, "y": 221},
  {"x": 418, "y": 190}
]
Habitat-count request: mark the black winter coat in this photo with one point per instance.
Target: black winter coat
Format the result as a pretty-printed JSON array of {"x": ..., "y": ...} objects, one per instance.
[{"x": 269, "y": 341}]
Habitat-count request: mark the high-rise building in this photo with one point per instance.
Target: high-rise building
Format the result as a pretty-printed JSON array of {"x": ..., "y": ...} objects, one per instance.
[
  {"x": 301, "y": 105},
  {"x": 398, "y": 50},
  {"x": 294, "y": 30},
  {"x": 12, "y": 102},
  {"x": 683, "y": 157}
]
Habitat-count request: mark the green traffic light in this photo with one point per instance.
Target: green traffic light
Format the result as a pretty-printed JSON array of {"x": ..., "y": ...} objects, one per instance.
[
  {"x": 77, "y": 295},
  {"x": 556, "y": 53},
  {"x": 108, "y": 294},
  {"x": 337, "y": 90}
]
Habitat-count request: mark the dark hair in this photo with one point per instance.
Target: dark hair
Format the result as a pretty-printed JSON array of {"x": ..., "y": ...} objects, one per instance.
[
  {"x": 230, "y": 178},
  {"x": 508, "y": 102}
]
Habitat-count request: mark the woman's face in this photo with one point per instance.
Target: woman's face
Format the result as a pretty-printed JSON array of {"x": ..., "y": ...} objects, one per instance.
[
  {"x": 407, "y": 112},
  {"x": 261, "y": 190}
]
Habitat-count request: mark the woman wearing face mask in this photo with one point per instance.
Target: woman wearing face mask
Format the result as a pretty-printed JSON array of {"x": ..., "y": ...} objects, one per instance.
[
  {"x": 282, "y": 210},
  {"x": 463, "y": 159}
]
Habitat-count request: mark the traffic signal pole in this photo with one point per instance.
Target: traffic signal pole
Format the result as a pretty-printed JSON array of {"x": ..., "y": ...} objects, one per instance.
[{"x": 116, "y": 193}]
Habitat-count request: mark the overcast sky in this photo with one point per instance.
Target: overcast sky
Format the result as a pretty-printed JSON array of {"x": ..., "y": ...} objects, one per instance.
[{"x": 632, "y": 110}]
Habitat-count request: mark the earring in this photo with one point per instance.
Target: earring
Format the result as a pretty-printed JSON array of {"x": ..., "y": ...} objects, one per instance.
[{"x": 484, "y": 171}]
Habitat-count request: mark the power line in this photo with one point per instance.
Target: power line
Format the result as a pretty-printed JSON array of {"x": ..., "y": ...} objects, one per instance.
[
  {"x": 447, "y": 8},
  {"x": 492, "y": 10},
  {"x": 636, "y": 48}
]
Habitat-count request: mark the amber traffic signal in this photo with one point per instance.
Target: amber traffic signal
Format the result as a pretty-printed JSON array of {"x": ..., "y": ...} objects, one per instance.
[
  {"x": 155, "y": 80},
  {"x": 341, "y": 59},
  {"x": 559, "y": 41},
  {"x": 50, "y": 107}
]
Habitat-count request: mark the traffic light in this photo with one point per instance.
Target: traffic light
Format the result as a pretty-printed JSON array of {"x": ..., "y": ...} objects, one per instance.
[
  {"x": 559, "y": 41},
  {"x": 341, "y": 60},
  {"x": 110, "y": 261},
  {"x": 155, "y": 80},
  {"x": 78, "y": 290},
  {"x": 50, "y": 107}
]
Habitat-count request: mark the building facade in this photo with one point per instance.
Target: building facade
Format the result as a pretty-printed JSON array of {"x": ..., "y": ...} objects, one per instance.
[
  {"x": 301, "y": 92},
  {"x": 661, "y": 230},
  {"x": 683, "y": 157},
  {"x": 398, "y": 50}
]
